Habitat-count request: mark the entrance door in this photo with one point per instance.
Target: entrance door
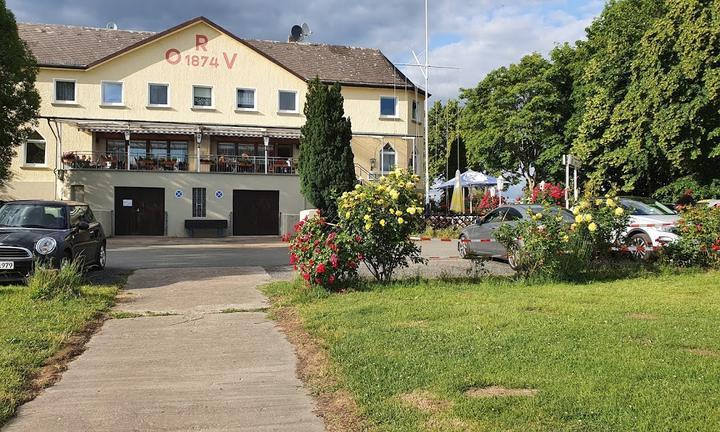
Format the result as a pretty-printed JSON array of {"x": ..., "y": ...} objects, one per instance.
[
  {"x": 256, "y": 212},
  {"x": 139, "y": 211}
]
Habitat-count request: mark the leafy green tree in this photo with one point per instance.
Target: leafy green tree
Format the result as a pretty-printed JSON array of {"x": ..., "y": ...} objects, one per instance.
[
  {"x": 19, "y": 100},
  {"x": 613, "y": 41},
  {"x": 445, "y": 140},
  {"x": 668, "y": 124},
  {"x": 327, "y": 167},
  {"x": 512, "y": 121}
]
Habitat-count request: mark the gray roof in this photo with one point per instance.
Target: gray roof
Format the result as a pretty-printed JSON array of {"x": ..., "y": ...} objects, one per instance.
[{"x": 82, "y": 47}]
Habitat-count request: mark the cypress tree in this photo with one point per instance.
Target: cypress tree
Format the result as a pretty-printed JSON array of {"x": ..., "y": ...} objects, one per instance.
[
  {"x": 19, "y": 99},
  {"x": 327, "y": 166}
]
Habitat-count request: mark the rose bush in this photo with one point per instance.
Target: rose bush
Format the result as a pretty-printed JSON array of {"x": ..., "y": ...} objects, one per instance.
[
  {"x": 554, "y": 243},
  {"x": 324, "y": 255},
  {"x": 384, "y": 213},
  {"x": 548, "y": 194},
  {"x": 699, "y": 242}
]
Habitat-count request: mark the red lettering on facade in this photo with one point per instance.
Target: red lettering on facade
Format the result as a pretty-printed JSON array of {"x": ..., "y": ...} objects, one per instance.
[
  {"x": 173, "y": 56},
  {"x": 200, "y": 42},
  {"x": 228, "y": 62}
]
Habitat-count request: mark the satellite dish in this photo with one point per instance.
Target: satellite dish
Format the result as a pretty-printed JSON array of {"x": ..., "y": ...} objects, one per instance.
[
  {"x": 306, "y": 30},
  {"x": 296, "y": 34},
  {"x": 299, "y": 33}
]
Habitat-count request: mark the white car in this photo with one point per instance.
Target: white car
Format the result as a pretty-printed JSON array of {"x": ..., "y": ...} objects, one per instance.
[
  {"x": 711, "y": 202},
  {"x": 652, "y": 224}
]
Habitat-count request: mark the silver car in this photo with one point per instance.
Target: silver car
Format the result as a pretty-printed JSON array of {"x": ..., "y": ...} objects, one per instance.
[{"x": 481, "y": 234}]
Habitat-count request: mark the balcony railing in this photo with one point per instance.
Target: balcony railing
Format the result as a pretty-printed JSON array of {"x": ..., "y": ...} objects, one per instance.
[
  {"x": 207, "y": 163},
  {"x": 247, "y": 164}
]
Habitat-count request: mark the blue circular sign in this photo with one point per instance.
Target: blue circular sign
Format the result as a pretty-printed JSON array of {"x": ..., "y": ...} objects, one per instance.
[
  {"x": 178, "y": 194},
  {"x": 219, "y": 194}
]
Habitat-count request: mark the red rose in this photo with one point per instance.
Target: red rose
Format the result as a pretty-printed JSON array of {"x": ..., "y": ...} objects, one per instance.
[
  {"x": 321, "y": 268},
  {"x": 331, "y": 279},
  {"x": 306, "y": 276},
  {"x": 293, "y": 258},
  {"x": 334, "y": 260}
]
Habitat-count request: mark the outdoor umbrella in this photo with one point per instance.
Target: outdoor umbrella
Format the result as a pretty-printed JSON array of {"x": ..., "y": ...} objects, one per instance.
[{"x": 457, "y": 205}]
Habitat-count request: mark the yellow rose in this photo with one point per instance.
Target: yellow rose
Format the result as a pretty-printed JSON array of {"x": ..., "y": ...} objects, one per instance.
[
  {"x": 357, "y": 186},
  {"x": 573, "y": 226},
  {"x": 576, "y": 211},
  {"x": 347, "y": 215},
  {"x": 367, "y": 227},
  {"x": 538, "y": 215},
  {"x": 584, "y": 204},
  {"x": 610, "y": 202},
  {"x": 588, "y": 217},
  {"x": 366, "y": 217},
  {"x": 398, "y": 213},
  {"x": 566, "y": 238},
  {"x": 382, "y": 222},
  {"x": 578, "y": 218},
  {"x": 392, "y": 211},
  {"x": 592, "y": 227},
  {"x": 598, "y": 202},
  {"x": 401, "y": 221},
  {"x": 410, "y": 210},
  {"x": 619, "y": 211},
  {"x": 394, "y": 194}
]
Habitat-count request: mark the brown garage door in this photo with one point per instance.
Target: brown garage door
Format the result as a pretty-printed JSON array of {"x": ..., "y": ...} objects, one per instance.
[
  {"x": 139, "y": 211},
  {"x": 256, "y": 212}
]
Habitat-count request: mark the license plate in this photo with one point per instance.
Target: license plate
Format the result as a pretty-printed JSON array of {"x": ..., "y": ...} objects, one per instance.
[{"x": 7, "y": 265}]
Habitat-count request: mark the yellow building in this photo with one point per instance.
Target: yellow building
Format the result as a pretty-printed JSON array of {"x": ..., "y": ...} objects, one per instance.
[{"x": 159, "y": 130}]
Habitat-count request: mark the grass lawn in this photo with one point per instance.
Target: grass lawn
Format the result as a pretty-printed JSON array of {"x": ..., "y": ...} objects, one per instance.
[
  {"x": 636, "y": 354},
  {"x": 31, "y": 331}
]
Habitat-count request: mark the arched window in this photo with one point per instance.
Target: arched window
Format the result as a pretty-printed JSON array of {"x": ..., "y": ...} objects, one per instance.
[
  {"x": 387, "y": 159},
  {"x": 35, "y": 150}
]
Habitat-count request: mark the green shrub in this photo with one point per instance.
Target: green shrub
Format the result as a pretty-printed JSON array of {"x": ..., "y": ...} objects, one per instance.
[
  {"x": 699, "y": 242},
  {"x": 48, "y": 283},
  {"x": 675, "y": 190},
  {"x": 549, "y": 245},
  {"x": 324, "y": 255},
  {"x": 384, "y": 213}
]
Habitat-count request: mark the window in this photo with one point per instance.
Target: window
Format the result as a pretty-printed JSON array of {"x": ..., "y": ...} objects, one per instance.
[
  {"x": 513, "y": 215},
  {"x": 287, "y": 101},
  {"x": 387, "y": 159},
  {"x": 415, "y": 113},
  {"x": 496, "y": 216},
  {"x": 112, "y": 93},
  {"x": 158, "y": 95},
  {"x": 388, "y": 106},
  {"x": 65, "y": 91},
  {"x": 35, "y": 149},
  {"x": 245, "y": 99},
  {"x": 78, "y": 214},
  {"x": 198, "y": 202},
  {"x": 152, "y": 154},
  {"x": 202, "y": 97}
]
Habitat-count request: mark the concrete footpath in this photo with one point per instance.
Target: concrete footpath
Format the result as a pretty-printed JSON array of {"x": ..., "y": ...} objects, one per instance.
[{"x": 198, "y": 370}]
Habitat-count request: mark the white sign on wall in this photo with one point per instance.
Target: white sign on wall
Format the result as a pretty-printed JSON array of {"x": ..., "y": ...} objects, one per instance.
[{"x": 127, "y": 203}]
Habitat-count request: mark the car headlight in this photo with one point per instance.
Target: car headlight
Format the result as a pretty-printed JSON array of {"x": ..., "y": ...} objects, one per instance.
[{"x": 45, "y": 245}]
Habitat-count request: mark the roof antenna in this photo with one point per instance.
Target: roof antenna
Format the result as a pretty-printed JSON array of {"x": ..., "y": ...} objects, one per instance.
[{"x": 112, "y": 25}]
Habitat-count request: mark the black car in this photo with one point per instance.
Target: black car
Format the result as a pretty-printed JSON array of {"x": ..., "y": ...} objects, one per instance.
[{"x": 48, "y": 232}]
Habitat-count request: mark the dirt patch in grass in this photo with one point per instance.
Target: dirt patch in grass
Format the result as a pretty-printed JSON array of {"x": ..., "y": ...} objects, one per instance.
[
  {"x": 499, "y": 391},
  {"x": 703, "y": 352},
  {"x": 336, "y": 406},
  {"x": 441, "y": 424},
  {"x": 425, "y": 401},
  {"x": 642, "y": 316},
  {"x": 52, "y": 371}
]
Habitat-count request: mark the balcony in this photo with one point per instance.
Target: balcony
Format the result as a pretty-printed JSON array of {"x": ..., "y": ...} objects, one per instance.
[{"x": 181, "y": 163}]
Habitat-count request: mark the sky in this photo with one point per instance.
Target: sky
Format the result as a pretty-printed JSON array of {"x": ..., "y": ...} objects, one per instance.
[{"x": 475, "y": 36}]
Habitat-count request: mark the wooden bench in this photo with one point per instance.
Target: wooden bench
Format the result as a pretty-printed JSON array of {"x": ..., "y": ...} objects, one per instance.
[{"x": 218, "y": 224}]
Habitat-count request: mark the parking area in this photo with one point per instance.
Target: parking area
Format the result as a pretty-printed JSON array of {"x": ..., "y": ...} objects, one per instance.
[{"x": 126, "y": 254}]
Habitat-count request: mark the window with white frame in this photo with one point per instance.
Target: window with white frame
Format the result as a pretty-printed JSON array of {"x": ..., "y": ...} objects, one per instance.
[
  {"x": 198, "y": 202},
  {"x": 158, "y": 95},
  {"x": 111, "y": 93},
  {"x": 415, "y": 111},
  {"x": 388, "y": 106},
  {"x": 35, "y": 148},
  {"x": 387, "y": 159},
  {"x": 287, "y": 101},
  {"x": 202, "y": 97},
  {"x": 245, "y": 99},
  {"x": 65, "y": 91}
]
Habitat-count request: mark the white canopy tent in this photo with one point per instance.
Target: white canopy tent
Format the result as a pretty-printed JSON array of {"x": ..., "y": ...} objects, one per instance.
[{"x": 469, "y": 178}]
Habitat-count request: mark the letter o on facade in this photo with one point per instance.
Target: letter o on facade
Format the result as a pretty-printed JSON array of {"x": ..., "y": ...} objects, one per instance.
[{"x": 173, "y": 56}]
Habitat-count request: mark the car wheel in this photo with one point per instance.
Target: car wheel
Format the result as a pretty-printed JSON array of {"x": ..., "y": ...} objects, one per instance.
[
  {"x": 642, "y": 244},
  {"x": 462, "y": 246},
  {"x": 101, "y": 257},
  {"x": 512, "y": 261}
]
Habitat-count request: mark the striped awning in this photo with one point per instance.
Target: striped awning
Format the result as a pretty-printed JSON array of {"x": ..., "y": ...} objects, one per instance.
[{"x": 183, "y": 129}]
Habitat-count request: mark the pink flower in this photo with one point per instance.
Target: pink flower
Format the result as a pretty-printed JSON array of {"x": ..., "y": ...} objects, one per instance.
[
  {"x": 334, "y": 260},
  {"x": 306, "y": 276},
  {"x": 331, "y": 279},
  {"x": 293, "y": 258},
  {"x": 321, "y": 268}
]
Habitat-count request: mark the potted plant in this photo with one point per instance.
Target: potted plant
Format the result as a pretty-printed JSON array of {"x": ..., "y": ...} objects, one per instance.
[{"x": 68, "y": 157}]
